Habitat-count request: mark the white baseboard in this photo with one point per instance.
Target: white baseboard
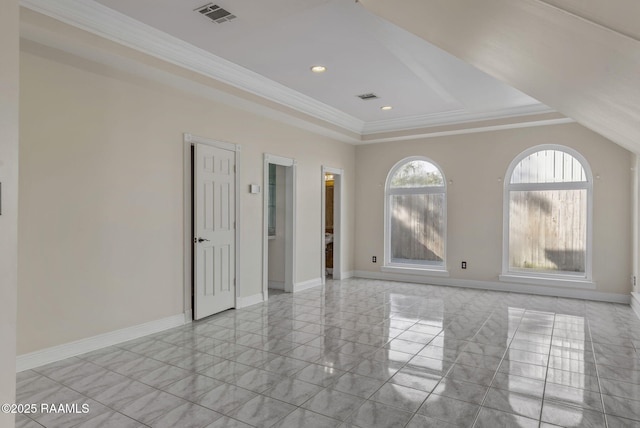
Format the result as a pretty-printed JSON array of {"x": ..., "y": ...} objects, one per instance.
[
  {"x": 307, "y": 284},
  {"x": 243, "y": 302},
  {"x": 276, "y": 285},
  {"x": 498, "y": 286},
  {"x": 635, "y": 303},
  {"x": 348, "y": 274},
  {"x": 71, "y": 349}
]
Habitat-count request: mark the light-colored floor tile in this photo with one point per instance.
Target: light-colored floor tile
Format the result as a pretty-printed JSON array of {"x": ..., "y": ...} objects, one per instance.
[
  {"x": 570, "y": 417},
  {"x": 319, "y": 374},
  {"x": 442, "y": 351},
  {"x": 262, "y": 411},
  {"x": 491, "y": 418},
  {"x": 193, "y": 387},
  {"x": 422, "y": 421},
  {"x": 399, "y": 396},
  {"x": 623, "y": 407},
  {"x": 23, "y": 421},
  {"x": 373, "y": 414},
  {"x": 293, "y": 391},
  {"x": 121, "y": 394},
  {"x": 334, "y": 404},
  {"x": 225, "y": 398},
  {"x": 150, "y": 407},
  {"x": 110, "y": 420},
  {"x": 356, "y": 384},
  {"x": 463, "y": 391},
  {"x": 307, "y": 419},
  {"x": 513, "y": 402},
  {"x": 573, "y": 396},
  {"x": 449, "y": 410},
  {"x": 519, "y": 384},
  {"x": 188, "y": 415}
]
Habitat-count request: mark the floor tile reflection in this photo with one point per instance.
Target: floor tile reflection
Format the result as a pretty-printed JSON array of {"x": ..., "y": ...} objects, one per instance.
[{"x": 363, "y": 353}]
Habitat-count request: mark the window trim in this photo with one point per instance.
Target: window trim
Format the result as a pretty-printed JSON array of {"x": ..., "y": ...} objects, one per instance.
[
  {"x": 557, "y": 278},
  {"x": 388, "y": 265}
]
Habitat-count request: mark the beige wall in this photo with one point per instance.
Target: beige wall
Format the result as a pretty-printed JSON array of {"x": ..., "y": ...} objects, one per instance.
[
  {"x": 101, "y": 196},
  {"x": 9, "y": 198},
  {"x": 476, "y": 164}
]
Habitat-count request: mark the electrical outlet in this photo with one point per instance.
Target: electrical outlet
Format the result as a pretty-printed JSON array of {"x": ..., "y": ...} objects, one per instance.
[
  {"x": 374, "y": 259},
  {"x": 464, "y": 265}
]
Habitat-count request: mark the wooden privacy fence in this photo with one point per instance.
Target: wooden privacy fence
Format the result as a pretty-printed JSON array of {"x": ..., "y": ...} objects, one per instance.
[
  {"x": 548, "y": 229},
  {"x": 417, "y": 227}
]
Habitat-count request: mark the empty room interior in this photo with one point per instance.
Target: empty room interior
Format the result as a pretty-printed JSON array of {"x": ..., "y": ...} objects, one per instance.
[{"x": 323, "y": 213}]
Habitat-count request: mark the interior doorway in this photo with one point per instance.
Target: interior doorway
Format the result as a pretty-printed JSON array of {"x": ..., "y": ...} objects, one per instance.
[
  {"x": 331, "y": 223},
  {"x": 279, "y": 225},
  {"x": 211, "y": 203}
]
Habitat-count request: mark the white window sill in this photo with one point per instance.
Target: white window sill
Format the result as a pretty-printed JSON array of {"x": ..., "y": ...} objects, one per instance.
[
  {"x": 548, "y": 281},
  {"x": 415, "y": 270},
  {"x": 271, "y": 237}
]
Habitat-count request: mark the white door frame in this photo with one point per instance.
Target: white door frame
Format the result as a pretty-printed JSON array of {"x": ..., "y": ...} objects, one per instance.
[
  {"x": 338, "y": 175},
  {"x": 290, "y": 223},
  {"x": 188, "y": 141}
]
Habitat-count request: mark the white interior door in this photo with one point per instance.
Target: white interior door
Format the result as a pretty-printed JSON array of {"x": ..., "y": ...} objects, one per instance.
[{"x": 214, "y": 242}]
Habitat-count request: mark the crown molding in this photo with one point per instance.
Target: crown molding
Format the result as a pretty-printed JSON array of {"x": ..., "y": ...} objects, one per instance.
[
  {"x": 33, "y": 35},
  {"x": 102, "y": 21},
  {"x": 472, "y": 129},
  {"x": 95, "y": 18},
  {"x": 449, "y": 118}
]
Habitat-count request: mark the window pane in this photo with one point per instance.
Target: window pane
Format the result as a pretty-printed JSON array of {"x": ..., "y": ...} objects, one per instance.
[
  {"x": 417, "y": 174},
  {"x": 548, "y": 166},
  {"x": 417, "y": 228},
  {"x": 548, "y": 230}
]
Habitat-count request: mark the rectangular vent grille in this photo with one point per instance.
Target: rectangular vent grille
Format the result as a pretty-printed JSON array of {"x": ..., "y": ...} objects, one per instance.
[
  {"x": 215, "y": 13},
  {"x": 369, "y": 96}
]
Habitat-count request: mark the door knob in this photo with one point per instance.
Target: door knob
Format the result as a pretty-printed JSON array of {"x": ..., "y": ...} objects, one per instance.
[{"x": 202, "y": 240}]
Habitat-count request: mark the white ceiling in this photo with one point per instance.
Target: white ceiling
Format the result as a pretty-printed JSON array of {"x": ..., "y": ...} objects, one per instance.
[{"x": 282, "y": 39}]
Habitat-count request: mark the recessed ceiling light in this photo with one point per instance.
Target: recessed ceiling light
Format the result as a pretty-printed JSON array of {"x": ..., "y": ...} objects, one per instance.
[
  {"x": 318, "y": 68},
  {"x": 386, "y": 108}
]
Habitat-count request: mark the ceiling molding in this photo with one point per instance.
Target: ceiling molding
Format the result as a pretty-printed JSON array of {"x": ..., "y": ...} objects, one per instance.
[
  {"x": 115, "y": 26},
  {"x": 100, "y": 20},
  {"x": 34, "y": 36},
  {"x": 448, "y": 118},
  {"x": 469, "y": 130}
]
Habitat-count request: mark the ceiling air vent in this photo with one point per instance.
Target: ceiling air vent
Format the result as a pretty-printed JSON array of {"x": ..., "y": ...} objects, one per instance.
[
  {"x": 369, "y": 96},
  {"x": 215, "y": 13}
]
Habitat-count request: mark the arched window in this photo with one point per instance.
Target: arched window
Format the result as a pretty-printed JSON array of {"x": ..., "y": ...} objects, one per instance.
[
  {"x": 548, "y": 192},
  {"x": 415, "y": 211}
]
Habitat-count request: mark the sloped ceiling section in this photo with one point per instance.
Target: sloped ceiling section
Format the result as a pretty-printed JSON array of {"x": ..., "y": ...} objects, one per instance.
[{"x": 582, "y": 61}]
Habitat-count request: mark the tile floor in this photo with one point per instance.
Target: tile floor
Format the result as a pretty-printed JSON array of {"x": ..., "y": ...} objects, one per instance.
[{"x": 362, "y": 353}]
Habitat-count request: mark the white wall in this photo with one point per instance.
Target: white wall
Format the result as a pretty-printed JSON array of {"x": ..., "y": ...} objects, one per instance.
[
  {"x": 101, "y": 213},
  {"x": 475, "y": 163},
  {"x": 9, "y": 199}
]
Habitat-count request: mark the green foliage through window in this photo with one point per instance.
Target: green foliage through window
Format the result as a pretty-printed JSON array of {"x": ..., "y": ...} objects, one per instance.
[{"x": 417, "y": 173}]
